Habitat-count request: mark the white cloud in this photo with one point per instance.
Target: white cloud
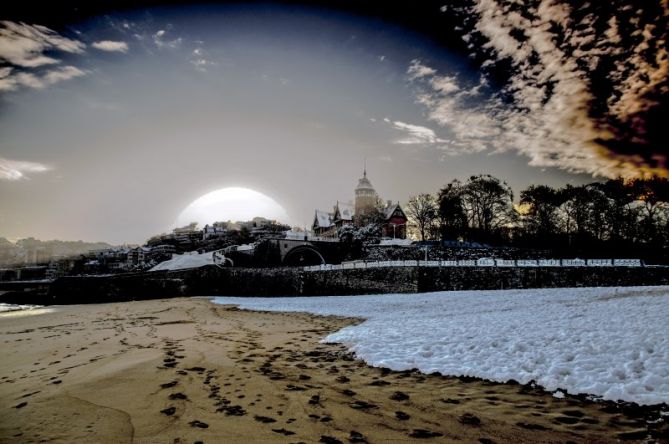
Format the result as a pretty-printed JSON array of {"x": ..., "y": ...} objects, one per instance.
[
  {"x": 417, "y": 70},
  {"x": 161, "y": 42},
  {"x": 416, "y": 134},
  {"x": 15, "y": 169},
  {"x": 24, "y": 45},
  {"x": 199, "y": 59},
  {"x": 63, "y": 73},
  {"x": 11, "y": 80},
  {"x": 110, "y": 45}
]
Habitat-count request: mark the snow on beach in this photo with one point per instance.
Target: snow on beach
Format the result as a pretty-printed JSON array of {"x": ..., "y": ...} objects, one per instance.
[
  {"x": 609, "y": 342},
  {"x": 4, "y": 308}
]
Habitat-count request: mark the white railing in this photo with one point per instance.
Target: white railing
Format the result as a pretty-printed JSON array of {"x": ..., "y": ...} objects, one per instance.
[{"x": 484, "y": 262}]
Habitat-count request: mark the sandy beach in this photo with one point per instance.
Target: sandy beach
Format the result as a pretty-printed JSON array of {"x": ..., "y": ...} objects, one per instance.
[{"x": 186, "y": 371}]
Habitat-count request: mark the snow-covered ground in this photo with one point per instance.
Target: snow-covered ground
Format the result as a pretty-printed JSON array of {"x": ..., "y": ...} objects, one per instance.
[
  {"x": 610, "y": 342},
  {"x": 15, "y": 307},
  {"x": 187, "y": 260}
]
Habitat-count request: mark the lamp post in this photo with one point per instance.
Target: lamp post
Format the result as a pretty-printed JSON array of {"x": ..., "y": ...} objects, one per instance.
[{"x": 394, "y": 226}]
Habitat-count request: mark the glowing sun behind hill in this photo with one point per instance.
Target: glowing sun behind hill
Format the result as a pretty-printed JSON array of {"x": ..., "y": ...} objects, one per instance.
[{"x": 234, "y": 203}]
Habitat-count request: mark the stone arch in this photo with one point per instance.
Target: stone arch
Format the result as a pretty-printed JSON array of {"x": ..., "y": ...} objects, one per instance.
[{"x": 302, "y": 256}]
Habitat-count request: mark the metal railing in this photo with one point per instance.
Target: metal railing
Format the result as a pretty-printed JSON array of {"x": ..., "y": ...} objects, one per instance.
[{"x": 484, "y": 262}]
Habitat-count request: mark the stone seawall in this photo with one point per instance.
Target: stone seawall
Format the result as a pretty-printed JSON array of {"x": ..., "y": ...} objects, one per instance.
[{"x": 212, "y": 281}]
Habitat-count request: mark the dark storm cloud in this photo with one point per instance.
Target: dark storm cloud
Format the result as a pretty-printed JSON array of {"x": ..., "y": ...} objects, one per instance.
[{"x": 583, "y": 86}]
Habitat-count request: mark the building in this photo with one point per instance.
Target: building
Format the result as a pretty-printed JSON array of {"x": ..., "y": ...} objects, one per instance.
[
  {"x": 367, "y": 208},
  {"x": 218, "y": 229},
  {"x": 138, "y": 256},
  {"x": 394, "y": 221},
  {"x": 366, "y": 199},
  {"x": 163, "y": 251},
  {"x": 323, "y": 225}
]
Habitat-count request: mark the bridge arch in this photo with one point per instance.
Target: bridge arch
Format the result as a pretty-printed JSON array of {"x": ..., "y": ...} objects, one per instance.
[{"x": 303, "y": 255}]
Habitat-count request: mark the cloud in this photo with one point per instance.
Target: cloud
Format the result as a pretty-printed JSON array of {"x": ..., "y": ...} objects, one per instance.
[
  {"x": 416, "y": 134},
  {"x": 24, "y": 45},
  {"x": 12, "y": 170},
  {"x": 161, "y": 42},
  {"x": 577, "y": 92},
  {"x": 11, "y": 80},
  {"x": 455, "y": 105},
  {"x": 63, "y": 73},
  {"x": 111, "y": 46},
  {"x": 199, "y": 59}
]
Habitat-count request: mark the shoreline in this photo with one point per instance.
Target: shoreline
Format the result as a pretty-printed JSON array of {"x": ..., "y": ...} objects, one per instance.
[{"x": 189, "y": 370}]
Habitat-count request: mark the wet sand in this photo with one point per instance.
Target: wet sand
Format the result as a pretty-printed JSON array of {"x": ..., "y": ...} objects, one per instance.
[{"x": 186, "y": 371}]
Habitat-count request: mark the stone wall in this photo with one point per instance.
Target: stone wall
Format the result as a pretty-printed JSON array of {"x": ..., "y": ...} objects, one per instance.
[{"x": 212, "y": 281}]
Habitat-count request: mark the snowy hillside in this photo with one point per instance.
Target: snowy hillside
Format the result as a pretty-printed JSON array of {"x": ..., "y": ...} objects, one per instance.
[{"x": 610, "y": 342}]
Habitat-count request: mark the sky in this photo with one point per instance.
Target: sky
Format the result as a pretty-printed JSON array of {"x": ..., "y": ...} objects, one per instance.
[{"x": 115, "y": 117}]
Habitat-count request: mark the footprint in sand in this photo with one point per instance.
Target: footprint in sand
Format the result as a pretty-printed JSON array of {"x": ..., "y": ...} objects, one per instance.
[
  {"x": 401, "y": 415},
  {"x": 357, "y": 437},
  {"x": 362, "y": 405},
  {"x": 283, "y": 432},
  {"x": 199, "y": 424},
  {"x": 399, "y": 396},
  {"x": 169, "y": 411},
  {"x": 469, "y": 419},
  {"x": 422, "y": 433}
]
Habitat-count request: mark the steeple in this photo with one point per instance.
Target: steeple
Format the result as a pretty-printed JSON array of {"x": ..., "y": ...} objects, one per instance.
[{"x": 364, "y": 172}]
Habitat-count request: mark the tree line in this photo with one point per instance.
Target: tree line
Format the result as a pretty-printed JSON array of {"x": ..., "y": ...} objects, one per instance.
[{"x": 613, "y": 217}]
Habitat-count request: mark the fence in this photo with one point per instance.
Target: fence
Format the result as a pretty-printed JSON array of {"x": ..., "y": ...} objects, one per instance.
[{"x": 485, "y": 262}]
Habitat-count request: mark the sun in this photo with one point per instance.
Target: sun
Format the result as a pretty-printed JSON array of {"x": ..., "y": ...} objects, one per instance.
[{"x": 233, "y": 203}]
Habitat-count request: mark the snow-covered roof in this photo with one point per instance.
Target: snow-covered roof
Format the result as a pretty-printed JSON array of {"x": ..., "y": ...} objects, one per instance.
[
  {"x": 346, "y": 210},
  {"x": 323, "y": 219},
  {"x": 186, "y": 260},
  {"x": 389, "y": 210}
]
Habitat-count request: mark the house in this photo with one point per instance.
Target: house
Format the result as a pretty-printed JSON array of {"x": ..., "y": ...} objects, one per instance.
[
  {"x": 367, "y": 208},
  {"x": 393, "y": 221},
  {"x": 323, "y": 225}
]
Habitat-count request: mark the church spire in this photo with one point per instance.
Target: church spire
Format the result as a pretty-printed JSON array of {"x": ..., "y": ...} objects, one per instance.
[{"x": 364, "y": 172}]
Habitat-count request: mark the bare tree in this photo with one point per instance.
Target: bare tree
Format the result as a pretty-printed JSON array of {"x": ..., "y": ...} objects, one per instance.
[
  {"x": 488, "y": 203},
  {"x": 423, "y": 210}
]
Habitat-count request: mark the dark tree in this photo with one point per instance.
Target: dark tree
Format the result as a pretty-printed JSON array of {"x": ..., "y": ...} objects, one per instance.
[
  {"x": 540, "y": 221},
  {"x": 622, "y": 215},
  {"x": 488, "y": 203},
  {"x": 451, "y": 212}
]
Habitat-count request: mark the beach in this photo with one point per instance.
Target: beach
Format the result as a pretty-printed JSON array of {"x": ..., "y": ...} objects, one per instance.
[{"x": 186, "y": 370}]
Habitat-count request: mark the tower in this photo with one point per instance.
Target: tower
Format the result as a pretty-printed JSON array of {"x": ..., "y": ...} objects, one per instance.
[{"x": 365, "y": 198}]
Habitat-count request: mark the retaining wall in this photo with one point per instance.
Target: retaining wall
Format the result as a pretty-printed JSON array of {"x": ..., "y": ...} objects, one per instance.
[{"x": 212, "y": 281}]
